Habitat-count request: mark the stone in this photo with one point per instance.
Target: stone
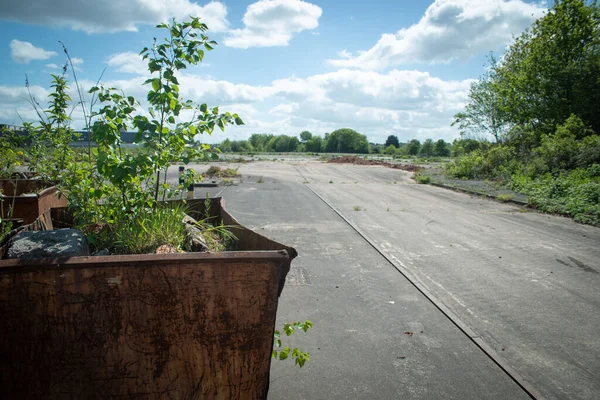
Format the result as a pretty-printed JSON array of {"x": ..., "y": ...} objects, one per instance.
[
  {"x": 48, "y": 244},
  {"x": 194, "y": 240},
  {"x": 103, "y": 252},
  {"x": 166, "y": 249}
]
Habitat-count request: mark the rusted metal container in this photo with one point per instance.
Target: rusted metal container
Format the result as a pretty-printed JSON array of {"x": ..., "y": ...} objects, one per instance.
[
  {"x": 173, "y": 326},
  {"x": 28, "y": 198}
]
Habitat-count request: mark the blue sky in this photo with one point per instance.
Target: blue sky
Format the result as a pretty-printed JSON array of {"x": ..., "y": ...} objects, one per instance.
[{"x": 380, "y": 67}]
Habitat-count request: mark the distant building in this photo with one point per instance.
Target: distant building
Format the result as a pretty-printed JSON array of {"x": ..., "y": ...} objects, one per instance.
[{"x": 81, "y": 138}]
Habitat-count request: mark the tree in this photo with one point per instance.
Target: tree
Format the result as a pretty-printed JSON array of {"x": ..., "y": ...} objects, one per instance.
[
  {"x": 346, "y": 140},
  {"x": 413, "y": 147},
  {"x": 392, "y": 140},
  {"x": 441, "y": 148},
  {"x": 426, "y": 148},
  {"x": 483, "y": 113},
  {"x": 315, "y": 145},
  {"x": 262, "y": 141},
  {"x": 225, "y": 145},
  {"x": 551, "y": 71},
  {"x": 305, "y": 136},
  {"x": 390, "y": 150},
  {"x": 461, "y": 147}
]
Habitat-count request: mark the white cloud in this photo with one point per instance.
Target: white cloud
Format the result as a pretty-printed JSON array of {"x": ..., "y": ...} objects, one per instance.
[
  {"x": 128, "y": 62},
  {"x": 410, "y": 104},
  {"x": 273, "y": 23},
  {"x": 284, "y": 109},
  {"x": 53, "y": 66},
  {"x": 100, "y": 16},
  {"x": 24, "y": 52},
  {"x": 449, "y": 30},
  {"x": 215, "y": 92},
  {"x": 76, "y": 60},
  {"x": 344, "y": 54}
]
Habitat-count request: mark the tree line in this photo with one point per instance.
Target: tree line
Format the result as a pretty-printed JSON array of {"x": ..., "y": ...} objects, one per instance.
[{"x": 347, "y": 141}]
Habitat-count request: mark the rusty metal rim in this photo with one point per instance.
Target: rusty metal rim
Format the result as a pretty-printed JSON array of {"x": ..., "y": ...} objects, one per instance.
[
  {"x": 144, "y": 259},
  {"x": 456, "y": 321}
]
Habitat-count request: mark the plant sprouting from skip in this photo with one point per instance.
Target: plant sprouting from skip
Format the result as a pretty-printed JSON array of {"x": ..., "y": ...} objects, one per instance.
[
  {"x": 161, "y": 132},
  {"x": 300, "y": 357}
]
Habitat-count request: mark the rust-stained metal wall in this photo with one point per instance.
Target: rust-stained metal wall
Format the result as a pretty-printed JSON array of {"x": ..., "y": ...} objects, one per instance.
[
  {"x": 173, "y": 326},
  {"x": 40, "y": 198}
]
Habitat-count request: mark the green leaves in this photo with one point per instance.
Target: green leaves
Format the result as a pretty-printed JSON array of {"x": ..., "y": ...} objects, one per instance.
[
  {"x": 156, "y": 84},
  {"x": 163, "y": 138},
  {"x": 300, "y": 357}
]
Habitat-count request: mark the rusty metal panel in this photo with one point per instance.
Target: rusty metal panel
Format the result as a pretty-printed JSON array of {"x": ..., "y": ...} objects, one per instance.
[
  {"x": 174, "y": 326},
  {"x": 33, "y": 197},
  {"x": 134, "y": 327}
]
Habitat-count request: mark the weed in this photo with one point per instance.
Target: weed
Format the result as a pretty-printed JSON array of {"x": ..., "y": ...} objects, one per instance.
[
  {"x": 300, "y": 357},
  {"x": 357, "y": 208},
  {"x": 260, "y": 180},
  {"x": 505, "y": 197},
  {"x": 422, "y": 179},
  {"x": 143, "y": 232},
  {"x": 330, "y": 181},
  {"x": 214, "y": 171}
]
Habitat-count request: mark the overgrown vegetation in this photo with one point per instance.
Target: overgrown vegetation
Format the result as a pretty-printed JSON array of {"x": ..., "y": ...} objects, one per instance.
[
  {"x": 114, "y": 192},
  {"x": 540, "y": 104},
  {"x": 214, "y": 171},
  {"x": 422, "y": 179}
]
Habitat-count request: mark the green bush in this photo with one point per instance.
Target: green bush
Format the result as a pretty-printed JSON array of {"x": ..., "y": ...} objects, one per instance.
[
  {"x": 423, "y": 179},
  {"x": 470, "y": 166},
  {"x": 575, "y": 193}
]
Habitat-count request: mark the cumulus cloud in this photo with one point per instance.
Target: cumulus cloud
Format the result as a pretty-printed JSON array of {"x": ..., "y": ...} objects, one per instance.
[
  {"x": 101, "y": 16},
  {"x": 128, "y": 62},
  {"x": 410, "y": 104},
  {"x": 218, "y": 92},
  {"x": 273, "y": 23},
  {"x": 24, "y": 52},
  {"x": 449, "y": 30}
]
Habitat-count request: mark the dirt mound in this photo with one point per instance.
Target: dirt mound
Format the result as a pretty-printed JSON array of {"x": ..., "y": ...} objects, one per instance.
[{"x": 361, "y": 161}]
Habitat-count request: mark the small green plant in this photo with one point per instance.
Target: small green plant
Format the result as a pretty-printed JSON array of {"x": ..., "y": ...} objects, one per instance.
[
  {"x": 144, "y": 234},
  {"x": 330, "y": 181},
  {"x": 214, "y": 171},
  {"x": 51, "y": 153},
  {"x": 11, "y": 154},
  {"x": 422, "y": 179},
  {"x": 505, "y": 197},
  {"x": 357, "y": 208},
  {"x": 300, "y": 357},
  {"x": 6, "y": 224},
  {"x": 218, "y": 237},
  {"x": 260, "y": 180}
]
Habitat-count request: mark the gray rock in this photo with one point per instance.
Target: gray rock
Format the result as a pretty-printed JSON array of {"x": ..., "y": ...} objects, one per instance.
[
  {"x": 53, "y": 244},
  {"x": 194, "y": 240},
  {"x": 103, "y": 252}
]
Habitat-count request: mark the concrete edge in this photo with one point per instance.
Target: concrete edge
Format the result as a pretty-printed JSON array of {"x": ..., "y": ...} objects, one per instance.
[
  {"x": 454, "y": 319},
  {"x": 476, "y": 193}
]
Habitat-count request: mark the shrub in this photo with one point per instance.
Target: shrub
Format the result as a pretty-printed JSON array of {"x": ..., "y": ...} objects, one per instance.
[
  {"x": 470, "y": 166},
  {"x": 422, "y": 179},
  {"x": 574, "y": 193}
]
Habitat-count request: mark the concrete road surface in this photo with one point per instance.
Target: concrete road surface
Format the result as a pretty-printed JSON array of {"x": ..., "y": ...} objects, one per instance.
[{"x": 526, "y": 284}]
